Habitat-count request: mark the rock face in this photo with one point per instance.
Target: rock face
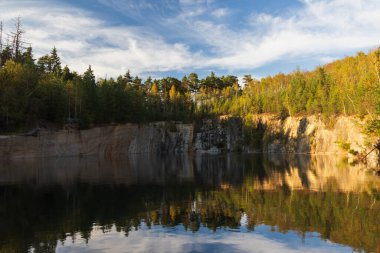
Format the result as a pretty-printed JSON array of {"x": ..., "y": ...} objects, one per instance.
[
  {"x": 312, "y": 135},
  {"x": 270, "y": 134},
  {"x": 259, "y": 133},
  {"x": 105, "y": 141},
  {"x": 218, "y": 135}
]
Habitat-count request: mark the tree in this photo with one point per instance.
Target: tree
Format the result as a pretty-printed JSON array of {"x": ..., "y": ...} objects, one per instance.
[
  {"x": 18, "y": 85},
  {"x": 154, "y": 89},
  {"x": 66, "y": 74},
  {"x": 55, "y": 63},
  {"x": 88, "y": 107},
  {"x": 377, "y": 64},
  {"x": 212, "y": 82},
  {"x": 5, "y": 55},
  {"x": 193, "y": 82},
  {"x": 136, "y": 83},
  {"x": 377, "y": 89},
  {"x": 1, "y": 36},
  {"x": 229, "y": 81},
  {"x": 44, "y": 64},
  {"x": 173, "y": 94},
  {"x": 247, "y": 79},
  {"x": 17, "y": 43},
  {"x": 27, "y": 57},
  {"x": 89, "y": 77},
  {"x": 148, "y": 83},
  {"x": 128, "y": 78}
]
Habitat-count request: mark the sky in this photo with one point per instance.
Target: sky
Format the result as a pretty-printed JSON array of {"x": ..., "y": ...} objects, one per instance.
[
  {"x": 176, "y": 37},
  {"x": 177, "y": 239}
]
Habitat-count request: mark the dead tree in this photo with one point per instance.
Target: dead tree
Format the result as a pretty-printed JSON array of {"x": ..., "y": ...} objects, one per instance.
[
  {"x": 14, "y": 45},
  {"x": 17, "y": 43}
]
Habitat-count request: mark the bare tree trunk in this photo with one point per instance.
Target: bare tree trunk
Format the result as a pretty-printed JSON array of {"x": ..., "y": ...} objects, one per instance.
[{"x": 16, "y": 41}]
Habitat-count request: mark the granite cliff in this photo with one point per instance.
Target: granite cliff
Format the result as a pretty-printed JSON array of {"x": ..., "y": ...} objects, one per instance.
[
  {"x": 107, "y": 141},
  {"x": 296, "y": 135},
  {"x": 256, "y": 133}
]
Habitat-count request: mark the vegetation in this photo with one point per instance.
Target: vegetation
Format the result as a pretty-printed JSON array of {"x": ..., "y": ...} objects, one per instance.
[
  {"x": 349, "y": 86},
  {"x": 36, "y": 92}
]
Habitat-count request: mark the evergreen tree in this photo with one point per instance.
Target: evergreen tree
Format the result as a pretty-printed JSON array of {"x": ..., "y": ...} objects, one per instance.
[
  {"x": 5, "y": 55},
  {"x": 55, "y": 63}
]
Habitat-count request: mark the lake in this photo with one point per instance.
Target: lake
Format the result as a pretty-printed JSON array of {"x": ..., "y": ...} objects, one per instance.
[{"x": 203, "y": 203}]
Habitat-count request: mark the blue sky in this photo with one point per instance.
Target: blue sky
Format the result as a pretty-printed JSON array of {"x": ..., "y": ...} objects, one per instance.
[
  {"x": 177, "y": 239},
  {"x": 177, "y": 37}
]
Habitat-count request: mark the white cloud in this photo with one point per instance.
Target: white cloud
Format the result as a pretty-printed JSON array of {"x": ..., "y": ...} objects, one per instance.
[
  {"x": 220, "y": 13},
  {"x": 82, "y": 39},
  {"x": 318, "y": 30},
  {"x": 321, "y": 27}
]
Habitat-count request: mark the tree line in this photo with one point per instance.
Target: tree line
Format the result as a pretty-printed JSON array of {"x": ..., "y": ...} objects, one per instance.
[
  {"x": 350, "y": 86},
  {"x": 35, "y": 92},
  {"x": 38, "y": 91}
]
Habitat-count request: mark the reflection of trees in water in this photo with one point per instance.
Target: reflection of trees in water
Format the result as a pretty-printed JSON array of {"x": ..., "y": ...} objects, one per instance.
[
  {"x": 40, "y": 217},
  {"x": 267, "y": 189}
]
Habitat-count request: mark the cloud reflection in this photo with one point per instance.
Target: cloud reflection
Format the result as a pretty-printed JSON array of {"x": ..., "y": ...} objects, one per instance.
[{"x": 159, "y": 239}]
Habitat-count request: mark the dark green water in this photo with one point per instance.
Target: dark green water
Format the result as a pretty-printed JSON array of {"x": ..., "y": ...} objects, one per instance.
[{"x": 226, "y": 203}]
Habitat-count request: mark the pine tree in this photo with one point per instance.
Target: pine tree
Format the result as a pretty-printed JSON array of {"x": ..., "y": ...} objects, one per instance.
[{"x": 55, "y": 63}]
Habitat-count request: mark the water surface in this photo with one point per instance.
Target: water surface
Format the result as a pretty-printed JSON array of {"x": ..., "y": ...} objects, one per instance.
[{"x": 222, "y": 203}]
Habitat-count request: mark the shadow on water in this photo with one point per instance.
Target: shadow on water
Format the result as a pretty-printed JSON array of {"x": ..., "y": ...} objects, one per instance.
[{"x": 43, "y": 202}]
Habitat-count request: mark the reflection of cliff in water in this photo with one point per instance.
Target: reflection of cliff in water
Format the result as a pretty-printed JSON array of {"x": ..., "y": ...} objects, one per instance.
[
  {"x": 134, "y": 169},
  {"x": 302, "y": 172},
  {"x": 316, "y": 173}
]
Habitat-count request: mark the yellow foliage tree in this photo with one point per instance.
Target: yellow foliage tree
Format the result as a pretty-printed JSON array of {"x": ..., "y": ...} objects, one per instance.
[
  {"x": 154, "y": 89},
  {"x": 173, "y": 94}
]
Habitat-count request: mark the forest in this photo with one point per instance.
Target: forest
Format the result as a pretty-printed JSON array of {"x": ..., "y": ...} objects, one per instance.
[{"x": 38, "y": 92}]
